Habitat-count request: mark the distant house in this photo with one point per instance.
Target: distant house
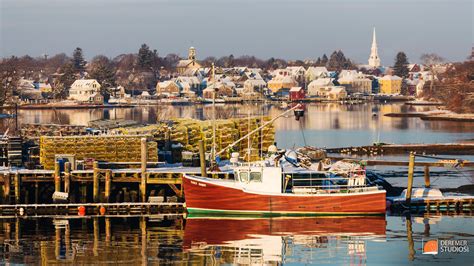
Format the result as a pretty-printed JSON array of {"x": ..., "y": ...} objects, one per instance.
[
  {"x": 168, "y": 88},
  {"x": 253, "y": 85},
  {"x": 188, "y": 66},
  {"x": 221, "y": 88},
  {"x": 281, "y": 84},
  {"x": 315, "y": 73},
  {"x": 336, "y": 93},
  {"x": 190, "y": 86},
  {"x": 313, "y": 86},
  {"x": 86, "y": 91},
  {"x": 390, "y": 84},
  {"x": 356, "y": 84},
  {"x": 297, "y": 93}
]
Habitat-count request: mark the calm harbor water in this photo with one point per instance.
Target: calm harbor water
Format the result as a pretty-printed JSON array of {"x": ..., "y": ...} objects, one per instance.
[
  {"x": 203, "y": 240},
  {"x": 198, "y": 240},
  {"x": 324, "y": 124}
]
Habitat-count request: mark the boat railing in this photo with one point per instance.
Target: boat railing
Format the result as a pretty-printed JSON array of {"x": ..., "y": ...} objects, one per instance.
[{"x": 354, "y": 183}]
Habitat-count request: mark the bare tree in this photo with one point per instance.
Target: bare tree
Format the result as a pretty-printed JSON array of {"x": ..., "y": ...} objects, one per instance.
[{"x": 431, "y": 60}]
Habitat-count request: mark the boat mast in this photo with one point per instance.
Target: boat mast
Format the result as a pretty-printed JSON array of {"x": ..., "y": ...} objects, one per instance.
[
  {"x": 257, "y": 129},
  {"x": 213, "y": 150}
]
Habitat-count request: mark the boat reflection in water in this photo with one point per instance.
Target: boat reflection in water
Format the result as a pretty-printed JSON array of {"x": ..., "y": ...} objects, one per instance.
[{"x": 263, "y": 240}]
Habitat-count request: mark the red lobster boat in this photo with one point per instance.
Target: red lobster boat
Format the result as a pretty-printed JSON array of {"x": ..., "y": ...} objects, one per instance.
[{"x": 267, "y": 190}]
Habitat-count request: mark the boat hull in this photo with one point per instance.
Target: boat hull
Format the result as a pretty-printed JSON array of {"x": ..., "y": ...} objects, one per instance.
[{"x": 205, "y": 196}]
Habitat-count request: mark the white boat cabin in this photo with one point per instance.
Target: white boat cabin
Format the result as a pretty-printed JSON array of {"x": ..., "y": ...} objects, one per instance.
[{"x": 259, "y": 178}]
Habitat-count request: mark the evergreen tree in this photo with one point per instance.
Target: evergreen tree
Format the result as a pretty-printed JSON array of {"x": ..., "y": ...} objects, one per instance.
[
  {"x": 61, "y": 85},
  {"x": 78, "y": 60},
  {"x": 318, "y": 62},
  {"x": 324, "y": 60},
  {"x": 400, "y": 68},
  {"x": 146, "y": 57},
  {"x": 103, "y": 71}
]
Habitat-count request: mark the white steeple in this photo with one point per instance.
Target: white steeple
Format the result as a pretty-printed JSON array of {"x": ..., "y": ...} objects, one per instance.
[{"x": 374, "y": 59}]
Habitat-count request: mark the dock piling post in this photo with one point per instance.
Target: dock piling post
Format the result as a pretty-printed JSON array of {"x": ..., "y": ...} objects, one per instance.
[
  {"x": 95, "y": 189},
  {"x": 6, "y": 188},
  {"x": 411, "y": 170},
  {"x": 17, "y": 188},
  {"x": 202, "y": 158},
  {"x": 67, "y": 176},
  {"x": 144, "y": 159},
  {"x": 57, "y": 177},
  {"x": 108, "y": 185},
  {"x": 427, "y": 176}
]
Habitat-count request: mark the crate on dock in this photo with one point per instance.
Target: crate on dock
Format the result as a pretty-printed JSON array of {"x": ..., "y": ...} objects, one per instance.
[{"x": 112, "y": 148}]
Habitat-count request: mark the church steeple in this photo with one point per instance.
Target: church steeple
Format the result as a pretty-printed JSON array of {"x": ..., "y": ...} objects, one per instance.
[{"x": 374, "y": 59}]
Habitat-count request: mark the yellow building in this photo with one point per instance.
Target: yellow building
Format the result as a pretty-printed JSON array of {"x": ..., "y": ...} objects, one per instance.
[
  {"x": 390, "y": 84},
  {"x": 281, "y": 82}
]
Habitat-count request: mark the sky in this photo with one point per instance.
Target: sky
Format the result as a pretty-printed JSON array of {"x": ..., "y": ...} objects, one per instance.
[{"x": 296, "y": 29}]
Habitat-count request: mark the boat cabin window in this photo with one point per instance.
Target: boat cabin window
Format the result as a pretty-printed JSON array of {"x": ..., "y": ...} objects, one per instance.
[
  {"x": 244, "y": 177},
  {"x": 256, "y": 177}
]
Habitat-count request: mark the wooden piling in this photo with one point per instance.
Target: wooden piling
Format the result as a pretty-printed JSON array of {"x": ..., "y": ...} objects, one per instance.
[
  {"x": 67, "y": 177},
  {"x": 108, "y": 185},
  {"x": 144, "y": 159},
  {"x": 411, "y": 243},
  {"x": 411, "y": 170},
  {"x": 202, "y": 158},
  {"x": 17, "y": 188},
  {"x": 427, "y": 177},
  {"x": 57, "y": 177},
  {"x": 95, "y": 179},
  {"x": 6, "y": 188}
]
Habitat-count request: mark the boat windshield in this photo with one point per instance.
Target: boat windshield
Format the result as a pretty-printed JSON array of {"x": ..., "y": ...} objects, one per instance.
[
  {"x": 254, "y": 177},
  {"x": 244, "y": 177}
]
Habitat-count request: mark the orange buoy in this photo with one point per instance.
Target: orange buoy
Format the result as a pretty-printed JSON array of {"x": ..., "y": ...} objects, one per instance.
[
  {"x": 81, "y": 210},
  {"x": 102, "y": 210}
]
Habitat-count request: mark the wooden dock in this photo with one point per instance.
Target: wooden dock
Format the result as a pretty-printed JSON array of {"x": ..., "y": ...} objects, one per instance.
[{"x": 83, "y": 209}]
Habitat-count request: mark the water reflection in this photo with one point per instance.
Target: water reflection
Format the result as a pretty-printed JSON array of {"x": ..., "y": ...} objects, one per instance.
[
  {"x": 325, "y": 124},
  {"x": 281, "y": 240},
  {"x": 227, "y": 240}
]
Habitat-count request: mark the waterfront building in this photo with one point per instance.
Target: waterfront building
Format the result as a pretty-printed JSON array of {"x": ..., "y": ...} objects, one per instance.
[
  {"x": 314, "y": 86},
  {"x": 281, "y": 84},
  {"x": 316, "y": 73},
  {"x": 355, "y": 82},
  {"x": 189, "y": 84},
  {"x": 168, "y": 88},
  {"x": 390, "y": 84},
  {"x": 86, "y": 90},
  {"x": 222, "y": 88},
  {"x": 254, "y": 85},
  {"x": 374, "y": 59},
  {"x": 188, "y": 66},
  {"x": 297, "y": 93}
]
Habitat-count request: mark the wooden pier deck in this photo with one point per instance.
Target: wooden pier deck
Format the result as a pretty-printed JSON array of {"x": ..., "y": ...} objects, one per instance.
[{"x": 72, "y": 209}]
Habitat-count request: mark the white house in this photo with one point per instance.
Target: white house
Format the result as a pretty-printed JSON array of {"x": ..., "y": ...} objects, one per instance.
[
  {"x": 315, "y": 73},
  {"x": 313, "y": 86},
  {"x": 86, "y": 90}
]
